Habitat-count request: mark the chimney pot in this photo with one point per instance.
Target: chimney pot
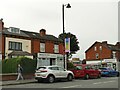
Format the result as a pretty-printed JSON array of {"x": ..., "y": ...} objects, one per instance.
[{"x": 1, "y": 24}]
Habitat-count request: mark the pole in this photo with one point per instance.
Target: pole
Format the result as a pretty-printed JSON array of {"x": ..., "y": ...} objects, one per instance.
[{"x": 63, "y": 37}]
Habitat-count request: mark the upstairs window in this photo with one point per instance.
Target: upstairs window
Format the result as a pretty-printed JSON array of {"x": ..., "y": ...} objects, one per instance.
[
  {"x": 15, "y": 46},
  {"x": 42, "y": 47},
  {"x": 100, "y": 48},
  {"x": 56, "y": 48},
  {"x": 14, "y": 30},
  {"x": 95, "y": 48}
]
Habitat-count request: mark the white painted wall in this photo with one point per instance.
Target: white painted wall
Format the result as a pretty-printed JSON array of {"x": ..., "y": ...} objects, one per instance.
[{"x": 26, "y": 45}]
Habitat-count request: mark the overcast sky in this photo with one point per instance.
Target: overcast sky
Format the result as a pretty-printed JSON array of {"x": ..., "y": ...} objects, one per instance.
[{"x": 89, "y": 20}]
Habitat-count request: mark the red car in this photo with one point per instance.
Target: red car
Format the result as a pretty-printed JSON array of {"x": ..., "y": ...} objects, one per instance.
[{"x": 86, "y": 71}]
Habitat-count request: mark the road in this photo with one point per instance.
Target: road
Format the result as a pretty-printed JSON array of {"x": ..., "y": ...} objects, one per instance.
[{"x": 104, "y": 82}]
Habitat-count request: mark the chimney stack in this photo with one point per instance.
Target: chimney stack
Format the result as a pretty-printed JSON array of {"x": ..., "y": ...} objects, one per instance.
[
  {"x": 1, "y": 24},
  {"x": 118, "y": 44},
  {"x": 42, "y": 32},
  {"x": 104, "y": 42}
]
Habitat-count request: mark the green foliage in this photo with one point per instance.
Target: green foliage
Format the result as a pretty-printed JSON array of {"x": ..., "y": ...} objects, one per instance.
[
  {"x": 73, "y": 42},
  {"x": 10, "y": 65},
  {"x": 70, "y": 65}
]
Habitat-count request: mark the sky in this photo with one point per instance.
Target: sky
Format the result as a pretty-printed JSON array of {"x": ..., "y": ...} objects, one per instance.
[{"x": 89, "y": 20}]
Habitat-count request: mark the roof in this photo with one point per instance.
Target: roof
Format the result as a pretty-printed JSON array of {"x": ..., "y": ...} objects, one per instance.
[
  {"x": 34, "y": 35},
  {"x": 6, "y": 32},
  {"x": 108, "y": 46},
  {"x": 20, "y": 53},
  {"x": 46, "y": 37},
  {"x": 91, "y": 46}
]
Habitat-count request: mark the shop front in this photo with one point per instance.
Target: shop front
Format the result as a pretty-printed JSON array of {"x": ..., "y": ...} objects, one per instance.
[
  {"x": 46, "y": 59},
  {"x": 112, "y": 63}
]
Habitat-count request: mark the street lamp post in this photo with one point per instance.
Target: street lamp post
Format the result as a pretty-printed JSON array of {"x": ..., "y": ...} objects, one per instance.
[{"x": 67, "y": 6}]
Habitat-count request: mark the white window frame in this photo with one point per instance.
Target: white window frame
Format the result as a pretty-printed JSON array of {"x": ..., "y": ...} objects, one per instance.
[
  {"x": 42, "y": 47},
  {"x": 97, "y": 55}
]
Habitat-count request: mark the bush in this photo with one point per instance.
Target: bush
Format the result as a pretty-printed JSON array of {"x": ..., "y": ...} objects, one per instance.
[
  {"x": 10, "y": 65},
  {"x": 70, "y": 65}
]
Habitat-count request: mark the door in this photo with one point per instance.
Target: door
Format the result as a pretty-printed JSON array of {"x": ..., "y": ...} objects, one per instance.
[
  {"x": 63, "y": 73},
  {"x": 79, "y": 71}
]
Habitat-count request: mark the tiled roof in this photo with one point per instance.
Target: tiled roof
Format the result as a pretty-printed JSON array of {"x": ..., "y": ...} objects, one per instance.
[
  {"x": 108, "y": 46},
  {"x": 32, "y": 35},
  {"x": 46, "y": 37},
  {"x": 5, "y": 31},
  {"x": 113, "y": 47},
  {"x": 21, "y": 53}
]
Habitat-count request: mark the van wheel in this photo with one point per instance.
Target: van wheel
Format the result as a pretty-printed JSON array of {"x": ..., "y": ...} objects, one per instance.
[
  {"x": 69, "y": 77},
  {"x": 50, "y": 79}
]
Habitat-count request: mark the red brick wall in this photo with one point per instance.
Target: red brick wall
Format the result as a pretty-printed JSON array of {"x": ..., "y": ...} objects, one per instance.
[
  {"x": 105, "y": 53},
  {"x": 49, "y": 47},
  {"x": 36, "y": 46},
  {"x": 61, "y": 48}
]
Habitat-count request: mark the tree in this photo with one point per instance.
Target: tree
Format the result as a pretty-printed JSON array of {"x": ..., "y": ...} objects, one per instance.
[{"x": 73, "y": 43}]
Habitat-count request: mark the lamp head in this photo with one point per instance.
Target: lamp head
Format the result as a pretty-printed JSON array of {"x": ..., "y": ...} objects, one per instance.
[{"x": 68, "y": 6}]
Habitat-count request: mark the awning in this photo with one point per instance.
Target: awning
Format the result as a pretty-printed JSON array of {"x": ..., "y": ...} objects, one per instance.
[{"x": 20, "y": 53}]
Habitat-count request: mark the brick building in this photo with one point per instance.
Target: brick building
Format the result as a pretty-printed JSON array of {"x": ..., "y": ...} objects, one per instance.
[
  {"x": 102, "y": 50},
  {"x": 47, "y": 49}
]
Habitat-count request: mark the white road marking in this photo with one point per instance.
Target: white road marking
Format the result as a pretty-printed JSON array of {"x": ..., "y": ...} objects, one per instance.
[
  {"x": 103, "y": 82},
  {"x": 108, "y": 81},
  {"x": 97, "y": 83},
  {"x": 71, "y": 86}
]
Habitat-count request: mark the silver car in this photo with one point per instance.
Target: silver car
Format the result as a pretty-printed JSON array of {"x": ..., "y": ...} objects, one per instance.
[{"x": 53, "y": 73}]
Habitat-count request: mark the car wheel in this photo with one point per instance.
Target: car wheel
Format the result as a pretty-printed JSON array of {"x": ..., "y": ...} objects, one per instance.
[
  {"x": 118, "y": 74},
  {"x": 39, "y": 81},
  {"x": 69, "y": 77},
  {"x": 87, "y": 76},
  {"x": 99, "y": 75},
  {"x": 50, "y": 79}
]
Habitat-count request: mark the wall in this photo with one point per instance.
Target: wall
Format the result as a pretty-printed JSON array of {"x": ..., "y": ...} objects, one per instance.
[
  {"x": 105, "y": 53},
  {"x": 49, "y": 47},
  {"x": 26, "y": 44}
]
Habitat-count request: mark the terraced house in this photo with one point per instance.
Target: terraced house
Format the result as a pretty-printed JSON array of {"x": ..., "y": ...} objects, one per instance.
[
  {"x": 103, "y": 53},
  {"x": 47, "y": 49}
]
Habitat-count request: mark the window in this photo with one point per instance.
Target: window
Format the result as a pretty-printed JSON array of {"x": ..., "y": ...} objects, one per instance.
[
  {"x": 79, "y": 67},
  {"x": 95, "y": 48},
  {"x": 15, "y": 46},
  {"x": 14, "y": 30},
  {"x": 56, "y": 48},
  {"x": 97, "y": 55},
  {"x": 53, "y": 68},
  {"x": 42, "y": 47},
  {"x": 100, "y": 48}
]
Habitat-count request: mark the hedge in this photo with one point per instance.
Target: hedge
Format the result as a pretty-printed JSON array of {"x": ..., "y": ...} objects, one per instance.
[{"x": 10, "y": 65}]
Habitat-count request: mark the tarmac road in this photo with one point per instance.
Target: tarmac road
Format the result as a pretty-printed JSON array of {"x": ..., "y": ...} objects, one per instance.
[{"x": 104, "y": 82}]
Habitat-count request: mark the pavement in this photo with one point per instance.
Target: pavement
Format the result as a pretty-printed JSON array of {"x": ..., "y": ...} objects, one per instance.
[{"x": 14, "y": 82}]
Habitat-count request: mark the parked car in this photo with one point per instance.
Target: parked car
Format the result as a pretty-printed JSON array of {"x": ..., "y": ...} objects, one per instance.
[
  {"x": 107, "y": 71},
  {"x": 53, "y": 73},
  {"x": 86, "y": 71}
]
